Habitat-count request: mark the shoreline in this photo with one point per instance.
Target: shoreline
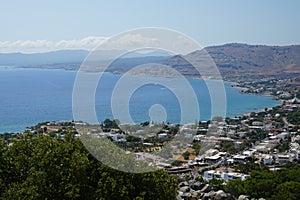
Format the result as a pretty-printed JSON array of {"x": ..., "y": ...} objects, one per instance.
[
  {"x": 235, "y": 85},
  {"x": 231, "y": 84}
]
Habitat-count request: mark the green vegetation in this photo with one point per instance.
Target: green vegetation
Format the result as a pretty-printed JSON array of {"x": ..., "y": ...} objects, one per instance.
[
  {"x": 216, "y": 184},
  {"x": 294, "y": 117},
  {"x": 254, "y": 136},
  {"x": 284, "y": 146},
  {"x": 217, "y": 118},
  {"x": 108, "y": 124},
  {"x": 250, "y": 166},
  {"x": 282, "y": 184},
  {"x": 196, "y": 147},
  {"x": 228, "y": 147},
  {"x": 176, "y": 163},
  {"x": 174, "y": 130},
  {"x": 186, "y": 155},
  {"x": 41, "y": 167}
]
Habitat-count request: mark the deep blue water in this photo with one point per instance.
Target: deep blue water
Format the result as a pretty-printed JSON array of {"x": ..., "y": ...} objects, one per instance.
[{"x": 29, "y": 96}]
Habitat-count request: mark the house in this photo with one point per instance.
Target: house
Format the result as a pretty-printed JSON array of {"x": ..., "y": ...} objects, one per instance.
[
  {"x": 212, "y": 159},
  {"x": 238, "y": 144},
  {"x": 233, "y": 176},
  {"x": 255, "y": 128},
  {"x": 211, "y": 152},
  {"x": 226, "y": 176},
  {"x": 162, "y": 135},
  {"x": 262, "y": 148},
  {"x": 241, "y": 134},
  {"x": 198, "y": 138},
  {"x": 285, "y": 95},
  {"x": 267, "y": 159},
  {"x": 296, "y": 154},
  {"x": 257, "y": 123},
  {"x": 283, "y": 135},
  {"x": 249, "y": 153},
  {"x": 295, "y": 100},
  {"x": 240, "y": 158},
  {"x": 117, "y": 137},
  {"x": 283, "y": 158},
  {"x": 231, "y": 134},
  {"x": 209, "y": 175},
  {"x": 296, "y": 138}
]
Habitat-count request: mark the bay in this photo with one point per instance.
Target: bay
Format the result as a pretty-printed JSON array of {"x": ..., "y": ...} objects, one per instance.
[{"x": 30, "y": 96}]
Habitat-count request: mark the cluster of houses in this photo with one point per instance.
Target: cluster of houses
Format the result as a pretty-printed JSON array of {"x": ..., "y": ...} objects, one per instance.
[
  {"x": 265, "y": 150},
  {"x": 275, "y": 87},
  {"x": 224, "y": 175}
]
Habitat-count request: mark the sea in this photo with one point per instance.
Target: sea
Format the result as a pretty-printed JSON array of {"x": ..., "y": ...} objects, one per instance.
[{"x": 29, "y": 96}]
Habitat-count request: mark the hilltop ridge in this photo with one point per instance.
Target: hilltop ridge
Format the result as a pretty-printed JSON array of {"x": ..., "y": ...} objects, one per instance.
[{"x": 234, "y": 60}]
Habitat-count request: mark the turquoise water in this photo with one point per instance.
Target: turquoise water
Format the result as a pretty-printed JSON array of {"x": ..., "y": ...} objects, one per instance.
[{"x": 29, "y": 96}]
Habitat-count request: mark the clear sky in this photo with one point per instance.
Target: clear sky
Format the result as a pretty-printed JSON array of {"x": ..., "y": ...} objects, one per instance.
[{"x": 210, "y": 22}]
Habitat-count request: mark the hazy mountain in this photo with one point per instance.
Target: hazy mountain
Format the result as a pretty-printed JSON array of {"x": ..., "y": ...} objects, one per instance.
[
  {"x": 259, "y": 58},
  {"x": 48, "y": 58},
  {"x": 71, "y": 59},
  {"x": 235, "y": 60}
]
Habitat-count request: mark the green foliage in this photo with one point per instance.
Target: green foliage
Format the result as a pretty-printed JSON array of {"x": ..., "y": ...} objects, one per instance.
[
  {"x": 282, "y": 184},
  {"x": 284, "y": 146},
  {"x": 197, "y": 148},
  {"x": 176, "y": 163},
  {"x": 252, "y": 114},
  {"x": 174, "y": 130},
  {"x": 132, "y": 138},
  {"x": 235, "y": 187},
  {"x": 294, "y": 117},
  {"x": 216, "y": 184},
  {"x": 186, "y": 155},
  {"x": 110, "y": 123},
  {"x": 145, "y": 124},
  {"x": 228, "y": 147},
  {"x": 41, "y": 167},
  {"x": 250, "y": 166},
  {"x": 288, "y": 190},
  {"x": 217, "y": 118},
  {"x": 204, "y": 124},
  {"x": 256, "y": 135}
]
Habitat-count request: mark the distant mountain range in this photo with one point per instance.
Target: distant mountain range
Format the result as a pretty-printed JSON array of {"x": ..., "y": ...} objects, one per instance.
[
  {"x": 234, "y": 60},
  {"x": 72, "y": 59},
  {"x": 48, "y": 58},
  {"x": 242, "y": 60}
]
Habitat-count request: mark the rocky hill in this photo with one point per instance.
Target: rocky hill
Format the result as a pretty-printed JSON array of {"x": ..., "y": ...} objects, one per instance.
[
  {"x": 242, "y": 60},
  {"x": 235, "y": 61}
]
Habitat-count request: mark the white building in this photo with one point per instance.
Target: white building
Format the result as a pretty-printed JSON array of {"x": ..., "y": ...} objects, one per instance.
[
  {"x": 162, "y": 135},
  {"x": 240, "y": 158},
  {"x": 268, "y": 159},
  {"x": 226, "y": 176}
]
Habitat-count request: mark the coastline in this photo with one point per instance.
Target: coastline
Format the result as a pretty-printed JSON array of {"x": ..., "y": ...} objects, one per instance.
[
  {"x": 241, "y": 89},
  {"x": 230, "y": 83}
]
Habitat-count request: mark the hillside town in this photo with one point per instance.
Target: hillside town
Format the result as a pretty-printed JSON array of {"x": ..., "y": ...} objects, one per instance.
[{"x": 219, "y": 149}]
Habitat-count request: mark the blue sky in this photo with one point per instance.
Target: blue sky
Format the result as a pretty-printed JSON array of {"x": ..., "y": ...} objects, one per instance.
[{"x": 210, "y": 22}]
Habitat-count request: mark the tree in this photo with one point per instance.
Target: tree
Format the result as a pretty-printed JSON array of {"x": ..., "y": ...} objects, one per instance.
[
  {"x": 250, "y": 166},
  {"x": 111, "y": 123},
  {"x": 217, "y": 118},
  {"x": 186, "y": 155},
  {"x": 282, "y": 184},
  {"x": 216, "y": 184},
  {"x": 41, "y": 167},
  {"x": 287, "y": 190},
  {"x": 235, "y": 187}
]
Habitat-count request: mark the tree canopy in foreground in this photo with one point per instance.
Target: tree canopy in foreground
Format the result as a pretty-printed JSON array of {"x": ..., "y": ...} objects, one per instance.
[
  {"x": 41, "y": 167},
  {"x": 281, "y": 184}
]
